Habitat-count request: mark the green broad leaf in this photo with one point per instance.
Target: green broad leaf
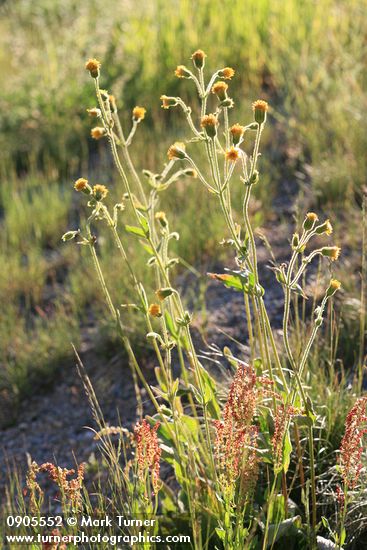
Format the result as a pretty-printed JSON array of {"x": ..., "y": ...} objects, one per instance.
[
  {"x": 137, "y": 231},
  {"x": 302, "y": 420},
  {"x": 284, "y": 528},
  {"x": 160, "y": 380},
  {"x": 287, "y": 452},
  {"x": 209, "y": 389},
  {"x": 241, "y": 281},
  {"x": 221, "y": 533},
  {"x": 170, "y": 325},
  {"x": 144, "y": 224},
  {"x": 191, "y": 425},
  {"x": 147, "y": 248}
]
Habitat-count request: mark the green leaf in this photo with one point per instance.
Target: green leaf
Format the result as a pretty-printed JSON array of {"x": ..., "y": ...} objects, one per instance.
[
  {"x": 287, "y": 452},
  {"x": 241, "y": 281},
  {"x": 279, "y": 530},
  {"x": 137, "y": 231}
]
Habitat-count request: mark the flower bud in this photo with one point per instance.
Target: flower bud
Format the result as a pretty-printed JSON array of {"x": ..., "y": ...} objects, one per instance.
[
  {"x": 94, "y": 112},
  {"x": 168, "y": 102},
  {"x": 331, "y": 252},
  {"x": 155, "y": 310},
  {"x": 220, "y": 90},
  {"x": 232, "y": 154},
  {"x": 70, "y": 235},
  {"x": 198, "y": 59},
  {"x": 333, "y": 287},
  {"x": 260, "y": 109},
  {"x": 295, "y": 241},
  {"x": 98, "y": 132},
  {"x": 82, "y": 185},
  {"x": 254, "y": 178},
  {"x": 163, "y": 293},
  {"x": 190, "y": 172},
  {"x": 325, "y": 227},
  {"x": 182, "y": 72},
  {"x": 310, "y": 220},
  {"x": 161, "y": 218},
  {"x": 100, "y": 192},
  {"x": 237, "y": 132},
  {"x": 139, "y": 113},
  {"x": 228, "y": 102},
  {"x": 177, "y": 151},
  {"x": 227, "y": 73},
  {"x": 209, "y": 123},
  {"x": 93, "y": 66}
]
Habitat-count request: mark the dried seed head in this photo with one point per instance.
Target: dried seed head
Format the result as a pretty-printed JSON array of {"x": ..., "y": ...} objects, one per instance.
[
  {"x": 232, "y": 154},
  {"x": 161, "y": 218},
  {"x": 93, "y": 66},
  {"x": 177, "y": 151},
  {"x": 227, "y": 73},
  {"x": 325, "y": 227},
  {"x": 168, "y": 102},
  {"x": 209, "y": 123},
  {"x": 333, "y": 287},
  {"x": 94, "y": 112},
  {"x": 81, "y": 184},
  {"x": 310, "y": 220},
  {"x": 155, "y": 310},
  {"x": 98, "y": 132},
  {"x": 198, "y": 59},
  {"x": 139, "y": 113},
  {"x": 182, "y": 72},
  {"x": 331, "y": 252},
  {"x": 220, "y": 90},
  {"x": 237, "y": 132},
  {"x": 100, "y": 192},
  {"x": 260, "y": 108}
]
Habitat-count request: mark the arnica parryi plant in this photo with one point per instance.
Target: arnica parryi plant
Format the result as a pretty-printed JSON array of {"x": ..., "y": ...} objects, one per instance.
[{"x": 242, "y": 458}]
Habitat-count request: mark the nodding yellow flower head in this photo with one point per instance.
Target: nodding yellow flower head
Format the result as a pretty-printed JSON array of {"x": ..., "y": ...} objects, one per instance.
[
  {"x": 331, "y": 252},
  {"x": 168, "y": 102},
  {"x": 98, "y": 132},
  {"x": 182, "y": 72},
  {"x": 333, "y": 287},
  {"x": 177, "y": 151},
  {"x": 80, "y": 184},
  {"x": 94, "y": 112},
  {"x": 237, "y": 131},
  {"x": 232, "y": 154},
  {"x": 310, "y": 220},
  {"x": 220, "y": 89},
  {"x": 139, "y": 113},
  {"x": 198, "y": 59},
  {"x": 161, "y": 218},
  {"x": 260, "y": 108},
  {"x": 93, "y": 66},
  {"x": 155, "y": 310},
  {"x": 329, "y": 228},
  {"x": 227, "y": 73},
  {"x": 100, "y": 192},
  {"x": 209, "y": 123},
  {"x": 325, "y": 227}
]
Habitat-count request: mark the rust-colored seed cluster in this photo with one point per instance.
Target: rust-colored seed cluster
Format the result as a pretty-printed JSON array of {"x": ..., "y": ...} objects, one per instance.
[
  {"x": 148, "y": 452},
  {"x": 351, "y": 447},
  {"x": 69, "y": 489},
  {"x": 236, "y": 439}
]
